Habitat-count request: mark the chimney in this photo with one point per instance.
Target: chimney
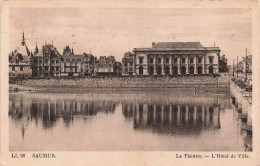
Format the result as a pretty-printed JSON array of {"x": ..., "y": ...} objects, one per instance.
[{"x": 153, "y": 44}]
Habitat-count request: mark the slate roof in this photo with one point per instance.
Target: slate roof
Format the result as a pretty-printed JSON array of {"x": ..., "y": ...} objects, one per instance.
[
  {"x": 75, "y": 56},
  {"x": 178, "y": 45}
]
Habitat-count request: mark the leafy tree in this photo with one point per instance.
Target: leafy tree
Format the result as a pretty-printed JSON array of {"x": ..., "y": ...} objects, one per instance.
[{"x": 223, "y": 64}]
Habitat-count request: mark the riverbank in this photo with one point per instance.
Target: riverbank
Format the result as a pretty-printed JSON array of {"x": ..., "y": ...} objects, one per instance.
[{"x": 127, "y": 83}]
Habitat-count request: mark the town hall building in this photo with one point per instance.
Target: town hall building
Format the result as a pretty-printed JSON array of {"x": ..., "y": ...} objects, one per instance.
[{"x": 174, "y": 58}]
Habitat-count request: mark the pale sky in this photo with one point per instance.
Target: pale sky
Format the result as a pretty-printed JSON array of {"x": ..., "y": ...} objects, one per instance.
[{"x": 108, "y": 31}]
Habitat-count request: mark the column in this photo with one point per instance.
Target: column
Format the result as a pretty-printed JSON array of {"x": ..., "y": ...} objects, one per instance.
[
  {"x": 170, "y": 113},
  {"x": 195, "y": 68},
  {"x": 202, "y": 115},
  {"x": 134, "y": 66},
  {"x": 195, "y": 115},
  {"x": 179, "y": 66},
  {"x": 155, "y": 65},
  {"x": 186, "y": 114},
  {"x": 148, "y": 57},
  {"x": 163, "y": 64},
  {"x": 162, "y": 113},
  {"x": 188, "y": 62},
  {"x": 171, "y": 64},
  {"x": 178, "y": 115},
  {"x": 204, "y": 67},
  {"x": 154, "y": 113}
]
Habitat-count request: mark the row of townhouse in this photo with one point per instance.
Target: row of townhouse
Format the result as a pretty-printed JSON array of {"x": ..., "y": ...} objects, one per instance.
[{"x": 48, "y": 62}]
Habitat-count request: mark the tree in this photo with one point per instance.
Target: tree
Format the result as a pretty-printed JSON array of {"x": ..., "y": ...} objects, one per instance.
[{"x": 223, "y": 68}]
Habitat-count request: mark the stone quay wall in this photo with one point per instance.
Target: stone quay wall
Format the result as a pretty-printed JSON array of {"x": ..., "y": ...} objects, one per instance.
[{"x": 132, "y": 82}]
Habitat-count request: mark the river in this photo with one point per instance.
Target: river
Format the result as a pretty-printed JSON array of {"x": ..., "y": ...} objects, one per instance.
[{"x": 125, "y": 121}]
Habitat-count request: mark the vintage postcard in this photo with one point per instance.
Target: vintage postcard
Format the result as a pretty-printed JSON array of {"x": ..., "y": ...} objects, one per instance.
[{"x": 130, "y": 83}]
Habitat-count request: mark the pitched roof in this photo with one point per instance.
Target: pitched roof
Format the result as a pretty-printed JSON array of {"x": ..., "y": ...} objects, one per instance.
[
  {"x": 178, "y": 45},
  {"x": 76, "y": 56}
]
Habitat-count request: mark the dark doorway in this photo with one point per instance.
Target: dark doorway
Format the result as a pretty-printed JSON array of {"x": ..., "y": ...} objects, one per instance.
[
  {"x": 151, "y": 70},
  {"x": 211, "y": 70},
  {"x": 141, "y": 70},
  {"x": 175, "y": 70},
  {"x": 159, "y": 70},
  {"x": 191, "y": 70},
  {"x": 183, "y": 70},
  {"x": 167, "y": 70},
  {"x": 199, "y": 70}
]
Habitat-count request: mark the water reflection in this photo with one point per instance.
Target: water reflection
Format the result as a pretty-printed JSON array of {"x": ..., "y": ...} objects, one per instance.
[
  {"x": 201, "y": 121},
  {"x": 49, "y": 111},
  {"x": 174, "y": 118}
]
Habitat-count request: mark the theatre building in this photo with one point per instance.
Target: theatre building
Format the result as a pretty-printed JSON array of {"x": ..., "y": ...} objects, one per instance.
[{"x": 173, "y": 58}]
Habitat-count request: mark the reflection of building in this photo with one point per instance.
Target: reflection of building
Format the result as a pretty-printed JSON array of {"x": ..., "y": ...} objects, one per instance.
[
  {"x": 50, "y": 110},
  {"x": 167, "y": 58},
  {"x": 174, "y": 118}
]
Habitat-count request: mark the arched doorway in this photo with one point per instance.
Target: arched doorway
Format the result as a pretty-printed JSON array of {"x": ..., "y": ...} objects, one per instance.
[
  {"x": 159, "y": 70},
  {"x": 199, "y": 70},
  {"x": 175, "y": 70},
  {"x": 183, "y": 70},
  {"x": 211, "y": 70},
  {"x": 167, "y": 70},
  {"x": 191, "y": 70},
  {"x": 151, "y": 70},
  {"x": 141, "y": 70}
]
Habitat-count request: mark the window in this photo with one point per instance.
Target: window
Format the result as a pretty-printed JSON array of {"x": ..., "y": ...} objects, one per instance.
[
  {"x": 125, "y": 64},
  {"x": 151, "y": 60},
  {"x": 21, "y": 68},
  {"x": 40, "y": 68},
  {"x": 126, "y": 70},
  {"x": 159, "y": 60},
  {"x": 40, "y": 61},
  {"x": 46, "y": 61},
  {"x": 52, "y": 68},
  {"x": 52, "y": 61},
  {"x": 131, "y": 64},
  {"x": 175, "y": 60},
  {"x": 46, "y": 68},
  {"x": 167, "y": 60},
  {"x": 57, "y": 61},
  {"x": 57, "y": 68},
  {"x": 183, "y": 60},
  {"x": 13, "y": 68},
  {"x": 191, "y": 60},
  {"x": 199, "y": 60},
  {"x": 210, "y": 60},
  {"x": 141, "y": 60}
]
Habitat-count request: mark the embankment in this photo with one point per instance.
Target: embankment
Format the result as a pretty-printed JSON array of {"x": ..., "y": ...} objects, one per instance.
[{"x": 132, "y": 83}]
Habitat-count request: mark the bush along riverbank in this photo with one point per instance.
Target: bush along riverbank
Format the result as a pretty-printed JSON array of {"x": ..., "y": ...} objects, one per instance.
[{"x": 196, "y": 82}]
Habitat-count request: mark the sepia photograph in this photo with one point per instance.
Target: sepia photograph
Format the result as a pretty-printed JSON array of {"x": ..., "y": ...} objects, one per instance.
[{"x": 126, "y": 79}]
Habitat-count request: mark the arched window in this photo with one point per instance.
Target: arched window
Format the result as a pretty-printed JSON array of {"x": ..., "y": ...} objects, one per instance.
[
  {"x": 211, "y": 70},
  {"x": 141, "y": 70},
  {"x": 183, "y": 70},
  {"x": 191, "y": 70},
  {"x": 175, "y": 70},
  {"x": 167, "y": 70},
  {"x": 159, "y": 70},
  {"x": 151, "y": 70},
  {"x": 199, "y": 70}
]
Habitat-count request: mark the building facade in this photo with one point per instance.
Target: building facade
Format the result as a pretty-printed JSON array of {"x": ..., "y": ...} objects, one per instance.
[
  {"x": 21, "y": 61},
  {"x": 48, "y": 62},
  {"x": 173, "y": 58},
  {"x": 128, "y": 64}
]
